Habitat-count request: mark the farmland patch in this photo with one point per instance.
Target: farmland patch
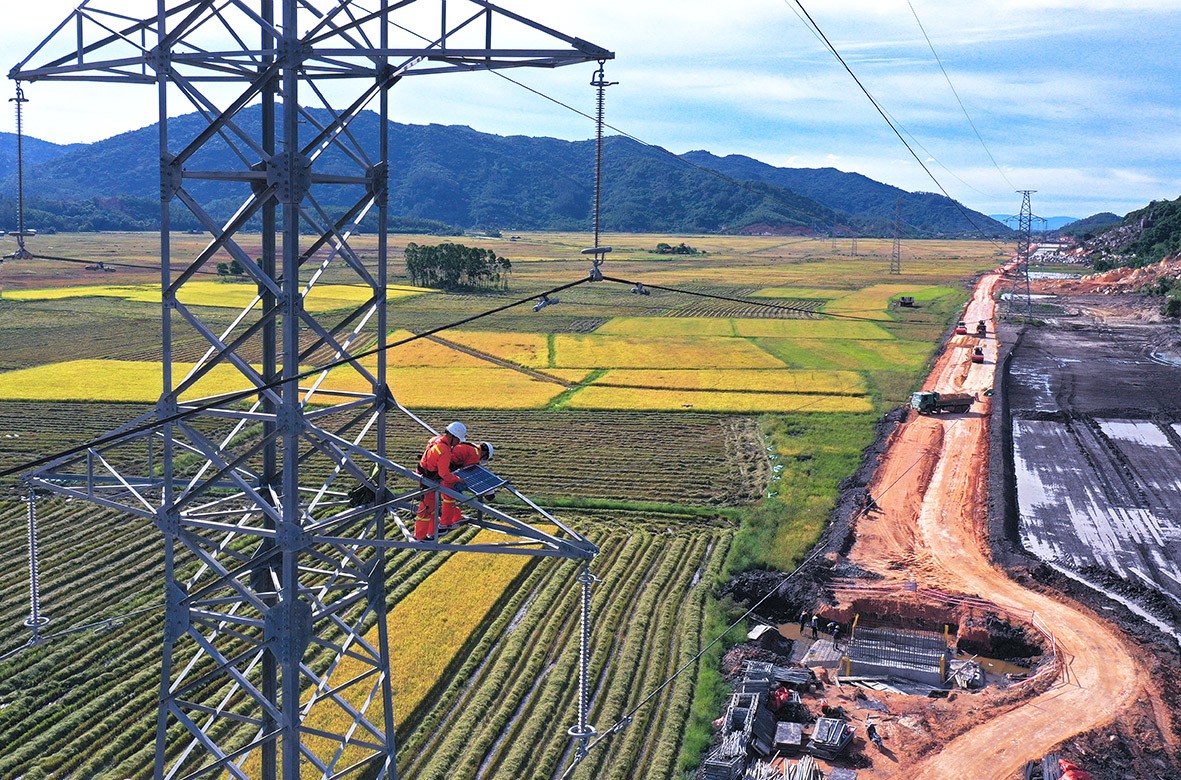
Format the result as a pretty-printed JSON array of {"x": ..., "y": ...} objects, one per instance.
[
  {"x": 835, "y": 354},
  {"x": 593, "y": 351},
  {"x": 596, "y": 397},
  {"x": 765, "y": 381}
]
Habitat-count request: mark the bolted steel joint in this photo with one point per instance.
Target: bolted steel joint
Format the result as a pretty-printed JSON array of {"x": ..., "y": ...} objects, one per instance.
[
  {"x": 172, "y": 175},
  {"x": 291, "y": 176},
  {"x": 159, "y": 61},
  {"x": 292, "y": 53},
  {"x": 377, "y": 180}
]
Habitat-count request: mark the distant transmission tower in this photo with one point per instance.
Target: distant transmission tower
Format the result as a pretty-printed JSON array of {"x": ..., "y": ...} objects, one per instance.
[
  {"x": 277, "y": 504},
  {"x": 854, "y": 249},
  {"x": 1020, "y": 302},
  {"x": 896, "y": 250}
]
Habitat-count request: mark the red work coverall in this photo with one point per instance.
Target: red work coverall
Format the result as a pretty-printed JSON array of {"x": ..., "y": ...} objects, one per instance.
[
  {"x": 436, "y": 464},
  {"x": 462, "y": 455}
]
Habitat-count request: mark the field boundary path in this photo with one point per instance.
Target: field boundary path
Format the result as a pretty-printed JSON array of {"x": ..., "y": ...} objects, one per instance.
[{"x": 932, "y": 489}]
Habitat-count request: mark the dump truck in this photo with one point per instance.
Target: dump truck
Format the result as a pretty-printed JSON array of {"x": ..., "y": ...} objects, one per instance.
[
  {"x": 981, "y": 328},
  {"x": 931, "y": 402},
  {"x": 977, "y": 355}
]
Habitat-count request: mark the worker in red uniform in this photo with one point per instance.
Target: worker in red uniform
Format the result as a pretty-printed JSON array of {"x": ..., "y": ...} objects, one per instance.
[
  {"x": 435, "y": 464},
  {"x": 463, "y": 455}
]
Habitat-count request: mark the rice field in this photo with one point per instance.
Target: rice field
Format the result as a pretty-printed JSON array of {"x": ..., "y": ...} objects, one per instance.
[
  {"x": 231, "y": 295},
  {"x": 652, "y": 399},
  {"x": 768, "y": 410}
]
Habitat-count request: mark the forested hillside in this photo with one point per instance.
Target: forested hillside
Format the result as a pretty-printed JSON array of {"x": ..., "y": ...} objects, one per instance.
[{"x": 445, "y": 178}]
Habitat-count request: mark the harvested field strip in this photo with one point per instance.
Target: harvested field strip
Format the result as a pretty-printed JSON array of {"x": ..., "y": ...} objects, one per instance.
[
  {"x": 764, "y": 381},
  {"x": 596, "y": 397},
  {"x": 652, "y": 326}
]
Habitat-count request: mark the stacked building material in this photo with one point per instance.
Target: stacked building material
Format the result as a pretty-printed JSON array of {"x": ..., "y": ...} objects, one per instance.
[
  {"x": 831, "y": 737},
  {"x": 748, "y": 725},
  {"x": 842, "y": 774},
  {"x": 804, "y": 769},
  {"x": 728, "y": 759},
  {"x": 799, "y": 678},
  {"x": 761, "y": 770},
  {"x": 789, "y": 738}
]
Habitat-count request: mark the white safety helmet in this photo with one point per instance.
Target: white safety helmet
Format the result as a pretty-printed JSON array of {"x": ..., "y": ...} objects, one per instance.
[
  {"x": 487, "y": 445},
  {"x": 458, "y": 430}
]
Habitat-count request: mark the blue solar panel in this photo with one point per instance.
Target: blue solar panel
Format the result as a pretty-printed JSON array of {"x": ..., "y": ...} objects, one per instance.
[{"x": 479, "y": 479}]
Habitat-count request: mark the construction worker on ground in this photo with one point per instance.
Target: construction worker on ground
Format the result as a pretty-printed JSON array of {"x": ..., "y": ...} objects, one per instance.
[
  {"x": 435, "y": 464},
  {"x": 463, "y": 455}
]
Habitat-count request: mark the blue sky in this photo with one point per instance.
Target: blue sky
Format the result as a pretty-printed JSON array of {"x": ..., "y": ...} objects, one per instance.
[{"x": 1076, "y": 99}]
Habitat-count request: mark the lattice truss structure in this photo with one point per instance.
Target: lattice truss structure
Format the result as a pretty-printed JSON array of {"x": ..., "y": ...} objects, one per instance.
[{"x": 277, "y": 503}]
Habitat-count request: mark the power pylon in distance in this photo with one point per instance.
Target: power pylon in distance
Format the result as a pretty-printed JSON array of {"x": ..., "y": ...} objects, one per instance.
[
  {"x": 277, "y": 504},
  {"x": 896, "y": 250},
  {"x": 1020, "y": 302}
]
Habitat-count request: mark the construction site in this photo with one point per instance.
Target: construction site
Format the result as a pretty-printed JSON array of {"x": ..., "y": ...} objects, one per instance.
[{"x": 1016, "y": 561}]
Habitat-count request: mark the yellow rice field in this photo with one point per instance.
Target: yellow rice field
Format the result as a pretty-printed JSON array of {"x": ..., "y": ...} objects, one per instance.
[
  {"x": 455, "y": 387},
  {"x": 812, "y": 329},
  {"x": 232, "y": 295},
  {"x": 746, "y": 328},
  {"x": 525, "y": 349},
  {"x": 424, "y": 638},
  {"x": 593, "y": 351},
  {"x": 767, "y": 381},
  {"x": 650, "y": 399}
]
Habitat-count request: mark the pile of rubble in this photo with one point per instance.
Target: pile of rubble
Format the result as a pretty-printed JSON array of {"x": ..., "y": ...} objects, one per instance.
[{"x": 1117, "y": 280}]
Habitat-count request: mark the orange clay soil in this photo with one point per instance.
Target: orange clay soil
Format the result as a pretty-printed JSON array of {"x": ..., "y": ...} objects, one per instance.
[{"x": 932, "y": 490}]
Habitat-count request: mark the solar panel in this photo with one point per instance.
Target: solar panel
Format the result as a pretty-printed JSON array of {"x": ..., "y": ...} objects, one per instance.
[{"x": 479, "y": 479}]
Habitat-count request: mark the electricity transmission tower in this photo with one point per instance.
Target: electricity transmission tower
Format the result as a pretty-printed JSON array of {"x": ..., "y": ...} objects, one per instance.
[
  {"x": 896, "y": 250},
  {"x": 277, "y": 503},
  {"x": 1019, "y": 302}
]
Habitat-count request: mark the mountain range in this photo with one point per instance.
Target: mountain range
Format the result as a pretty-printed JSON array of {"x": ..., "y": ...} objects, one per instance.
[{"x": 455, "y": 177}]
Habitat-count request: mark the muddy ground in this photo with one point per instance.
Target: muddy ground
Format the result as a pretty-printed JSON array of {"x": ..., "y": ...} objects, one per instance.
[{"x": 1103, "y": 357}]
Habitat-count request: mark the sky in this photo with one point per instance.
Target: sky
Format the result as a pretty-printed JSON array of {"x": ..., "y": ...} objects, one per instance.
[{"x": 1077, "y": 100}]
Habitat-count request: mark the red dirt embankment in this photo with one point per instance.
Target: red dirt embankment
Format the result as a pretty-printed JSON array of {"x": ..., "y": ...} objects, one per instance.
[{"x": 931, "y": 488}]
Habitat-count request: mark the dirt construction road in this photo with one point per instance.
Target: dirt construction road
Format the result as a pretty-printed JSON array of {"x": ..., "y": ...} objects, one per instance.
[{"x": 931, "y": 488}]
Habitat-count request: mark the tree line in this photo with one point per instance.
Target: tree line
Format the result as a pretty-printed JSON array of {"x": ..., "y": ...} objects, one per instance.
[{"x": 454, "y": 266}]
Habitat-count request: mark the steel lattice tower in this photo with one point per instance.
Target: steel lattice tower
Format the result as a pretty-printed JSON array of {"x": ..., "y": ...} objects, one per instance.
[
  {"x": 1020, "y": 302},
  {"x": 277, "y": 503},
  {"x": 896, "y": 250}
]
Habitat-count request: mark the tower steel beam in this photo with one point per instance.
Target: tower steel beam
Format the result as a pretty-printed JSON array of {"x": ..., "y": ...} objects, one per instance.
[
  {"x": 276, "y": 510},
  {"x": 1020, "y": 300}
]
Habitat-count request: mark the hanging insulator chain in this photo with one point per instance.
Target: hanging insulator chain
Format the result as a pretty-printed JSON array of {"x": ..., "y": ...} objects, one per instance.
[
  {"x": 584, "y": 731},
  {"x": 35, "y": 619},
  {"x": 20, "y": 99},
  {"x": 600, "y": 83}
]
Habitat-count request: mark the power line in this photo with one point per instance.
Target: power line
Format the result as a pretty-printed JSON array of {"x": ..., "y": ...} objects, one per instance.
[
  {"x": 877, "y": 106},
  {"x": 242, "y": 394},
  {"x": 957, "y": 95}
]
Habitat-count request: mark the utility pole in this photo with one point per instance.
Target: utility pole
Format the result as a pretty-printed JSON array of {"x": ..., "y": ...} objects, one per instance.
[{"x": 854, "y": 250}]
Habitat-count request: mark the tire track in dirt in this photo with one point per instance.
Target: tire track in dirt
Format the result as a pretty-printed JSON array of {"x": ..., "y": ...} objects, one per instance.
[{"x": 933, "y": 487}]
